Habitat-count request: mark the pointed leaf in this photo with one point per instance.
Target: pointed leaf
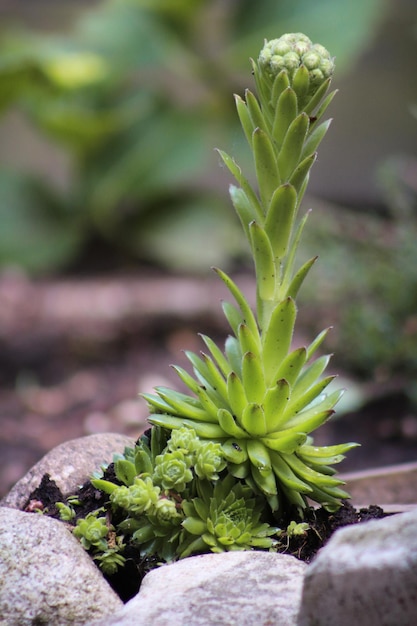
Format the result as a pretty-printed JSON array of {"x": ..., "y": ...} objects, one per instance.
[
  {"x": 280, "y": 218},
  {"x": 235, "y": 170},
  {"x": 245, "y": 119},
  {"x": 275, "y": 401},
  {"x": 207, "y": 403},
  {"x": 322, "y": 454},
  {"x": 237, "y": 396},
  {"x": 264, "y": 481},
  {"x": 217, "y": 354},
  {"x": 304, "y": 400},
  {"x": 248, "y": 316},
  {"x": 258, "y": 120},
  {"x": 266, "y": 167},
  {"x": 285, "y": 474},
  {"x": 243, "y": 207},
  {"x": 301, "y": 84},
  {"x": 278, "y": 336},
  {"x": 233, "y": 316},
  {"x": 291, "y": 366},
  {"x": 300, "y": 175},
  {"x": 290, "y": 154},
  {"x": 315, "y": 100},
  {"x": 235, "y": 451},
  {"x": 263, "y": 85},
  {"x": 280, "y": 84},
  {"x": 253, "y": 421},
  {"x": 314, "y": 139},
  {"x": 316, "y": 343},
  {"x": 264, "y": 262},
  {"x": 253, "y": 377},
  {"x": 309, "y": 475},
  {"x": 308, "y": 420},
  {"x": 203, "y": 430},
  {"x": 258, "y": 455},
  {"x": 215, "y": 377},
  {"x": 310, "y": 376},
  {"x": 239, "y": 470},
  {"x": 248, "y": 342},
  {"x": 104, "y": 485},
  {"x": 299, "y": 278},
  {"x": 287, "y": 443},
  {"x": 286, "y": 279},
  {"x": 285, "y": 114},
  {"x": 125, "y": 471},
  {"x": 229, "y": 425},
  {"x": 324, "y": 106},
  {"x": 234, "y": 354},
  {"x": 180, "y": 404}
]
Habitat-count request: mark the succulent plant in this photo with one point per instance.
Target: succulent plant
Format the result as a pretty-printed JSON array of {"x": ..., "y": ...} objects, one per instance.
[
  {"x": 223, "y": 518},
  {"x": 261, "y": 398},
  {"x": 137, "y": 498},
  {"x": 92, "y": 531},
  {"x": 224, "y": 460}
]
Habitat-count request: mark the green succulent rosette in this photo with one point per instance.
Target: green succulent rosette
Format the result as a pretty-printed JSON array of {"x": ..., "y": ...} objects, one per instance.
[
  {"x": 224, "y": 518},
  {"x": 260, "y": 398}
]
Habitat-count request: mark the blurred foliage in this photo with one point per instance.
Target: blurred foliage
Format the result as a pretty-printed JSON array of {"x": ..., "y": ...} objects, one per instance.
[
  {"x": 366, "y": 279},
  {"x": 138, "y": 95}
]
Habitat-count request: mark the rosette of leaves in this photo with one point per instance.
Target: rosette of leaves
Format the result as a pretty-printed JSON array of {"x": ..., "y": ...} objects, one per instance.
[
  {"x": 260, "y": 398},
  {"x": 151, "y": 483},
  {"x": 223, "y": 518}
]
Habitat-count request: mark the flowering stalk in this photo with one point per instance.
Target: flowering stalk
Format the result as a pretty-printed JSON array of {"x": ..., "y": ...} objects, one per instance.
[
  {"x": 224, "y": 459},
  {"x": 283, "y": 130},
  {"x": 259, "y": 398}
]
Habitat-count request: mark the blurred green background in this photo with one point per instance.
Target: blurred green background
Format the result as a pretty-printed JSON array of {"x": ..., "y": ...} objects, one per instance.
[{"x": 109, "y": 115}]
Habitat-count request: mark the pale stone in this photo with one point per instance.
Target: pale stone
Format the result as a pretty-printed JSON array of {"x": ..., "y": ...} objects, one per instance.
[
  {"x": 366, "y": 574},
  {"x": 69, "y": 465},
  {"x": 228, "y": 589},
  {"x": 46, "y": 577}
]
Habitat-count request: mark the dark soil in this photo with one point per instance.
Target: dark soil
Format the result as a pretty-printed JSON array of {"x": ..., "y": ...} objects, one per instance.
[{"x": 126, "y": 582}]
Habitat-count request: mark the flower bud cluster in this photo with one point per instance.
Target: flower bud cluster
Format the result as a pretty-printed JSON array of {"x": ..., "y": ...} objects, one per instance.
[{"x": 292, "y": 51}]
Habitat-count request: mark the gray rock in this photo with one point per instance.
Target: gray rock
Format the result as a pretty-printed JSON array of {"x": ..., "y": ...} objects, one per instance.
[
  {"x": 366, "y": 574},
  {"x": 230, "y": 589},
  {"x": 69, "y": 465},
  {"x": 46, "y": 577}
]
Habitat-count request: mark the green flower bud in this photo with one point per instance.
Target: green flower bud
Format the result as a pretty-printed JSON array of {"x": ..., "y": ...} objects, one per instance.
[
  {"x": 209, "y": 461},
  {"x": 290, "y": 52},
  {"x": 172, "y": 471}
]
